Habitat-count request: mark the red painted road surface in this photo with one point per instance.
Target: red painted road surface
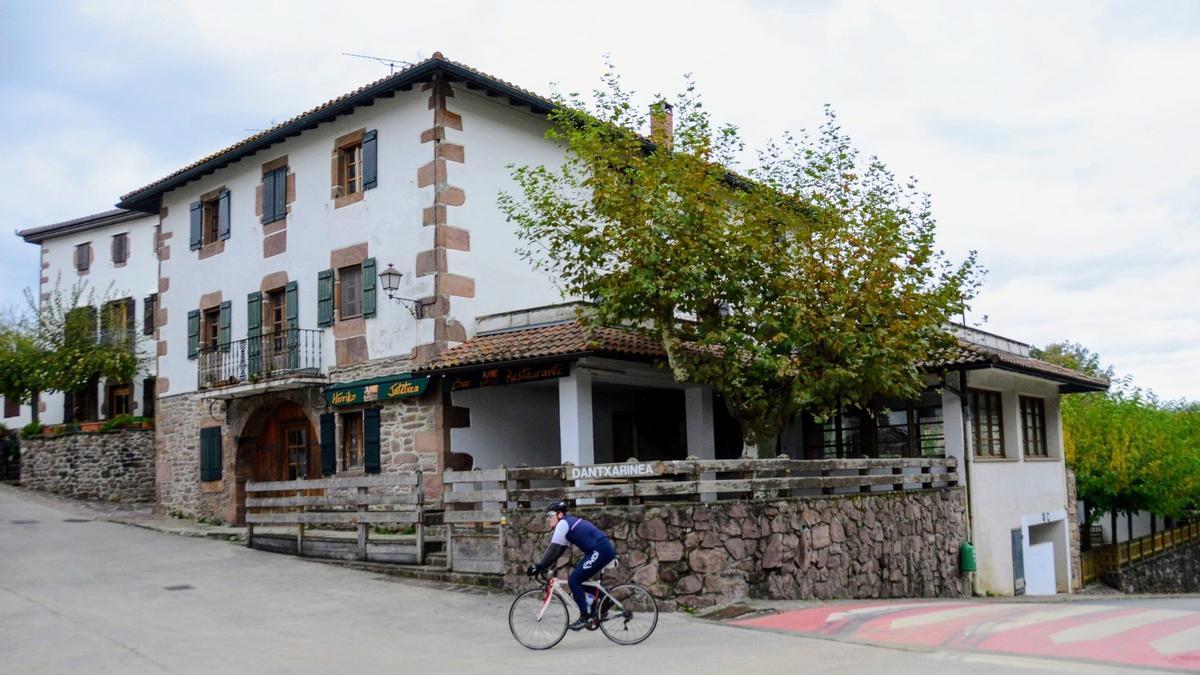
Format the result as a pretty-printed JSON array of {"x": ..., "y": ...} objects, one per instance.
[{"x": 1116, "y": 634}]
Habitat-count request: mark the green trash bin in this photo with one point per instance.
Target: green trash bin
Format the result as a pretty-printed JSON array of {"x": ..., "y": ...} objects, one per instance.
[{"x": 966, "y": 557}]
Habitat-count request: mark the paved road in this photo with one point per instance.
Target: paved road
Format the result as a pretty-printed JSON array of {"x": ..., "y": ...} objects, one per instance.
[
  {"x": 1162, "y": 634},
  {"x": 91, "y": 596}
]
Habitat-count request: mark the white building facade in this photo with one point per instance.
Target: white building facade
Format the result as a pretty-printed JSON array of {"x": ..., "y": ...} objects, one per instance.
[
  {"x": 280, "y": 355},
  {"x": 109, "y": 261}
]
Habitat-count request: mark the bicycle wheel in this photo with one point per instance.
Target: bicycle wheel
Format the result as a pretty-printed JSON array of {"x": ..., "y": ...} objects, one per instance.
[
  {"x": 531, "y": 626},
  {"x": 628, "y": 615}
]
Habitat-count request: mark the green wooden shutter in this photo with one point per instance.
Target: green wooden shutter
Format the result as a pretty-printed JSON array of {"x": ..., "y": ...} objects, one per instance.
[
  {"x": 371, "y": 462},
  {"x": 193, "y": 333},
  {"x": 254, "y": 333},
  {"x": 226, "y": 322},
  {"x": 292, "y": 296},
  {"x": 223, "y": 214},
  {"x": 210, "y": 453},
  {"x": 328, "y": 448},
  {"x": 368, "y": 288},
  {"x": 325, "y": 298},
  {"x": 281, "y": 192},
  {"x": 370, "y": 159},
  {"x": 197, "y": 234},
  {"x": 148, "y": 311},
  {"x": 268, "y": 198}
]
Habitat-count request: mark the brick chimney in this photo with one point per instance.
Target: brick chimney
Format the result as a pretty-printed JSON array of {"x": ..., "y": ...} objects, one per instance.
[{"x": 662, "y": 124}]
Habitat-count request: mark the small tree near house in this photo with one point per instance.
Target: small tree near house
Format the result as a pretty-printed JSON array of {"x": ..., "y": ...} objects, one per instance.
[
  {"x": 58, "y": 345},
  {"x": 811, "y": 283}
]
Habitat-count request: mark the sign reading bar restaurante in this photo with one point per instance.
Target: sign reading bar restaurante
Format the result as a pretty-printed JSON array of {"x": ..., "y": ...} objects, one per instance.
[
  {"x": 495, "y": 377},
  {"x": 379, "y": 389},
  {"x": 625, "y": 470}
]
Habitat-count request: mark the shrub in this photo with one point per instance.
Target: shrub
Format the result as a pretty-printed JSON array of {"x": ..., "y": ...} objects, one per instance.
[{"x": 31, "y": 430}]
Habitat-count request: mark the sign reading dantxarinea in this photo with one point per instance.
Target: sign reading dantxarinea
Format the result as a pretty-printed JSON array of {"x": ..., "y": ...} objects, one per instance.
[{"x": 625, "y": 470}]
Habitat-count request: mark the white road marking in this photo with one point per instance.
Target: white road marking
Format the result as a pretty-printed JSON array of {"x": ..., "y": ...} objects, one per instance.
[
  {"x": 1042, "y": 616},
  {"x": 1186, "y": 640},
  {"x": 1109, "y": 627},
  {"x": 875, "y": 609},
  {"x": 930, "y": 618}
]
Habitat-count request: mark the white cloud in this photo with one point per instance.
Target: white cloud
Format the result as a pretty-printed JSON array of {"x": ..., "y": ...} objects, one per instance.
[{"x": 1056, "y": 138}]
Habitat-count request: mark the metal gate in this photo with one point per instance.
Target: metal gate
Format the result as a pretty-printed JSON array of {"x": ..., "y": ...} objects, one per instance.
[{"x": 10, "y": 458}]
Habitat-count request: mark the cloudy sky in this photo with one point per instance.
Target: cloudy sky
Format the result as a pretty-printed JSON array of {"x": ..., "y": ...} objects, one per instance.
[{"x": 1057, "y": 139}]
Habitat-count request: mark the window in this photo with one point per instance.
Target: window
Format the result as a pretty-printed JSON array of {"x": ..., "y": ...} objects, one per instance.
[
  {"x": 117, "y": 321},
  {"x": 1033, "y": 427},
  {"x": 350, "y": 291},
  {"x": 12, "y": 406},
  {"x": 352, "y": 440},
  {"x": 210, "y": 219},
  {"x": 210, "y": 336},
  {"x": 987, "y": 423},
  {"x": 275, "y": 322},
  {"x": 274, "y": 195},
  {"x": 354, "y": 167},
  {"x": 83, "y": 257},
  {"x": 119, "y": 400},
  {"x": 120, "y": 248},
  {"x": 349, "y": 178},
  {"x": 296, "y": 439}
]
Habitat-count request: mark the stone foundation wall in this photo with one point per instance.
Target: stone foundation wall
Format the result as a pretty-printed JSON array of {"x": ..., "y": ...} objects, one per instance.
[
  {"x": 1176, "y": 571},
  {"x": 178, "y": 487},
  {"x": 110, "y": 466},
  {"x": 882, "y": 545},
  {"x": 1073, "y": 532}
]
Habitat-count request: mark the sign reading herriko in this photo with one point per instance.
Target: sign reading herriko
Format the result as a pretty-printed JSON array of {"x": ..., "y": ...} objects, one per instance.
[
  {"x": 626, "y": 470},
  {"x": 368, "y": 391}
]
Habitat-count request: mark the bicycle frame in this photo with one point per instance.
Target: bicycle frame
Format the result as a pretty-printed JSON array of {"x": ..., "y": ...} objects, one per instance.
[{"x": 555, "y": 586}]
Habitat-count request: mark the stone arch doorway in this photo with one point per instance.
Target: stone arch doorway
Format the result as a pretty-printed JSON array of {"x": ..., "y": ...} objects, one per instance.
[
  {"x": 286, "y": 447},
  {"x": 277, "y": 443}
]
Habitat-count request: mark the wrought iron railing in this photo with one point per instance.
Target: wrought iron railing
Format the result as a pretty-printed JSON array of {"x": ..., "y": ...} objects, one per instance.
[{"x": 286, "y": 353}]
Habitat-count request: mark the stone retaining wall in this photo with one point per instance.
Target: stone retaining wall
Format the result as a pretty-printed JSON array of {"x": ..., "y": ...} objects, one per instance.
[
  {"x": 694, "y": 555},
  {"x": 1175, "y": 571},
  {"x": 110, "y": 466}
]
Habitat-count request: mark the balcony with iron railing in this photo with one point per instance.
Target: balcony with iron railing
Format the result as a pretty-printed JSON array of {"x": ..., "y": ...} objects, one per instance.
[{"x": 292, "y": 354}]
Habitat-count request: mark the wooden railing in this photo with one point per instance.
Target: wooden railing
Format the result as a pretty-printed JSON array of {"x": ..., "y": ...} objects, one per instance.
[
  {"x": 364, "y": 501},
  {"x": 481, "y": 496},
  {"x": 1124, "y": 553}
]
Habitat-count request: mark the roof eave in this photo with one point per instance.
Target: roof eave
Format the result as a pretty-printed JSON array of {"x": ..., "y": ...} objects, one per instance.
[
  {"x": 147, "y": 199},
  {"x": 37, "y": 235}
]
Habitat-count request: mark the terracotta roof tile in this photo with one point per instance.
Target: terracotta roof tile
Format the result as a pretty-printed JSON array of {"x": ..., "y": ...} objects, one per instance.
[
  {"x": 972, "y": 354},
  {"x": 564, "y": 339},
  {"x": 571, "y": 339}
]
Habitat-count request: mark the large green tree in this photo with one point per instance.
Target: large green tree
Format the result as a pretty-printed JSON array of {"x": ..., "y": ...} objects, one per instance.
[
  {"x": 810, "y": 282},
  {"x": 1130, "y": 451}
]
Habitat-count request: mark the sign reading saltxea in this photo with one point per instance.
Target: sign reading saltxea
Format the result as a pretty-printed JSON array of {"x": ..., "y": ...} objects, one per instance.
[{"x": 625, "y": 470}]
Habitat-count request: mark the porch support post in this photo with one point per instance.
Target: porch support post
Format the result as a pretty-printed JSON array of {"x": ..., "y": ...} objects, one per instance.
[
  {"x": 575, "y": 441},
  {"x": 701, "y": 436}
]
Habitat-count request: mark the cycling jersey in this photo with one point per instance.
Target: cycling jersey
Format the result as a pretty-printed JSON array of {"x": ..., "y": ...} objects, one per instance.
[{"x": 580, "y": 532}]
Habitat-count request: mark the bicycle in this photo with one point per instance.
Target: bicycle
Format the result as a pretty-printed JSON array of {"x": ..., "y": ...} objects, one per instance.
[{"x": 627, "y": 614}]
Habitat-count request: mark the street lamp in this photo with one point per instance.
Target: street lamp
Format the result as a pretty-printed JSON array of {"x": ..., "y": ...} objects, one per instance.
[{"x": 390, "y": 279}]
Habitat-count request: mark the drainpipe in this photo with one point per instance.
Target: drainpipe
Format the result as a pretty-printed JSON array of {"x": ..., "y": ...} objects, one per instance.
[{"x": 968, "y": 452}]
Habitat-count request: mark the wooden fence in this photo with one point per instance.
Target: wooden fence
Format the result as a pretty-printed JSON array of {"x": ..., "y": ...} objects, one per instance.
[
  {"x": 362, "y": 502},
  {"x": 1114, "y": 556},
  {"x": 482, "y": 496}
]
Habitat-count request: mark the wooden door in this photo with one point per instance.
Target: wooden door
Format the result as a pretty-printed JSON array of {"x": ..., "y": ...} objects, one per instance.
[{"x": 287, "y": 448}]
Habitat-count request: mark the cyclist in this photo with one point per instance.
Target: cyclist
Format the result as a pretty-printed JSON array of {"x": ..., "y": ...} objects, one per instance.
[{"x": 597, "y": 550}]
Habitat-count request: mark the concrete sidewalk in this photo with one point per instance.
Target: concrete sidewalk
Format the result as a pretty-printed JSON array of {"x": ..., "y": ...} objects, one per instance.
[{"x": 136, "y": 514}]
